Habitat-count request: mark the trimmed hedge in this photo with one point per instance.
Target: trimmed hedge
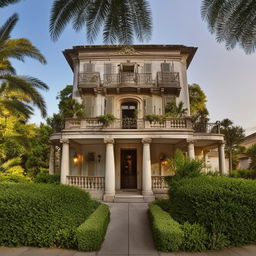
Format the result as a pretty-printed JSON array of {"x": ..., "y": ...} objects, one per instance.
[
  {"x": 91, "y": 233},
  {"x": 43, "y": 177},
  {"x": 167, "y": 233},
  {"x": 225, "y": 206},
  {"x": 243, "y": 173},
  {"x": 42, "y": 215}
]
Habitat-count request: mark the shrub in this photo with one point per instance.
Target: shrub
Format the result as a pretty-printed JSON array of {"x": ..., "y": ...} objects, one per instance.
[
  {"x": 42, "y": 215},
  {"x": 222, "y": 205},
  {"x": 242, "y": 173},
  {"x": 195, "y": 237},
  {"x": 106, "y": 120},
  {"x": 43, "y": 177},
  {"x": 155, "y": 118},
  {"x": 167, "y": 233},
  {"x": 184, "y": 167},
  {"x": 91, "y": 233}
]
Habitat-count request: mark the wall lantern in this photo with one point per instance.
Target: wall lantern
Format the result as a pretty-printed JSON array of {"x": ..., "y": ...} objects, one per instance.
[{"x": 75, "y": 158}]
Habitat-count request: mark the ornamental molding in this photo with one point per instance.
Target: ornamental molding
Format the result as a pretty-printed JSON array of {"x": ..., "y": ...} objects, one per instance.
[
  {"x": 146, "y": 140},
  {"x": 128, "y": 50},
  {"x": 109, "y": 141}
]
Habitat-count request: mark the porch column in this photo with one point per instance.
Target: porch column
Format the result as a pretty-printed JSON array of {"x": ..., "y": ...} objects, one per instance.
[
  {"x": 146, "y": 168},
  {"x": 64, "y": 161},
  {"x": 109, "y": 171},
  {"x": 191, "y": 150},
  {"x": 221, "y": 151},
  {"x": 52, "y": 160}
]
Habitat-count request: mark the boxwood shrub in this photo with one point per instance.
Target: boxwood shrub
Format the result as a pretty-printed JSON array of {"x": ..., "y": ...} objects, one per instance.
[
  {"x": 42, "y": 215},
  {"x": 225, "y": 206},
  {"x": 91, "y": 233},
  {"x": 167, "y": 233},
  {"x": 243, "y": 173}
]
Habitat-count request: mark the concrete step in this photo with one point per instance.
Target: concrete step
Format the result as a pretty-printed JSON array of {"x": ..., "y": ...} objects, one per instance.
[
  {"x": 132, "y": 198},
  {"x": 128, "y": 198}
]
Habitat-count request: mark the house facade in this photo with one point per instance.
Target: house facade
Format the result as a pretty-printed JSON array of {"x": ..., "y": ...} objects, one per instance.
[{"x": 133, "y": 84}]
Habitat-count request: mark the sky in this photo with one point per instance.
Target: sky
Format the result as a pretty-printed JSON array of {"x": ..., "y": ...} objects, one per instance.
[{"x": 227, "y": 77}]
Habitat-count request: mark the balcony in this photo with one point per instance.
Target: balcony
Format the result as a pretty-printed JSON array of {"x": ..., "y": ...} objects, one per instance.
[
  {"x": 132, "y": 82},
  {"x": 168, "y": 124}
]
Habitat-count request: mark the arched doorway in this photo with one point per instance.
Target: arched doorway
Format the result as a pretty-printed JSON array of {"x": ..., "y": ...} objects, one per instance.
[{"x": 129, "y": 115}]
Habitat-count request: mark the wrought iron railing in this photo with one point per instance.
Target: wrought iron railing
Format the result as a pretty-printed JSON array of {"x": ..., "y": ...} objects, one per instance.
[
  {"x": 128, "y": 79},
  {"x": 89, "y": 79},
  {"x": 168, "y": 79},
  {"x": 87, "y": 182},
  {"x": 129, "y": 123},
  {"x": 207, "y": 127}
]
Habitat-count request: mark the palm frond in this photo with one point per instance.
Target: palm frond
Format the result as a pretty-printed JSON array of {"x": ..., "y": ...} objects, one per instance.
[
  {"x": 6, "y": 67},
  {"x": 4, "y": 3},
  {"x": 20, "y": 48},
  {"x": 6, "y": 29},
  {"x": 62, "y": 12},
  {"x": 232, "y": 21}
]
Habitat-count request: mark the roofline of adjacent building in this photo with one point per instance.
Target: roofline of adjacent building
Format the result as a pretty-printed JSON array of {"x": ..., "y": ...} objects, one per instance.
[
  {"x": 84, "y": 48},
  {"x": 249, "y": 137}
]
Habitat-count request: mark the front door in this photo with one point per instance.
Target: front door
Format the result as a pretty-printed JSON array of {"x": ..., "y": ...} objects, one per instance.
[{"x": 128, "y": 169}]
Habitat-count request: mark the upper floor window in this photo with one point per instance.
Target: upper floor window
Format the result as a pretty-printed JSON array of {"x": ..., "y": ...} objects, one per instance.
[
  {"x": 89, "y": 67},
  {"x": 167, "y": 67}
]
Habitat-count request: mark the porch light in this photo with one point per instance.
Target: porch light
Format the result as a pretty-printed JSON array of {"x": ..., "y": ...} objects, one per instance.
[
  {"x": 164, "y": 163},
  {"x": 75, "y": 158}
]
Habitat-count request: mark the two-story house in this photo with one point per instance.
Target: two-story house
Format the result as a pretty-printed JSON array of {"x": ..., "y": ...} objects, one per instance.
[{"x": 132, "y": 83}]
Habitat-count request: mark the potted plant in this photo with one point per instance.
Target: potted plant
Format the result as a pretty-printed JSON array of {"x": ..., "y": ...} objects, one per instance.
[{"x": 106, "y": 119}]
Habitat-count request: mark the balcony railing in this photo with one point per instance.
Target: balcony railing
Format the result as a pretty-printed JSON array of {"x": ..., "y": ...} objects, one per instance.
[
  {"x": 159, "y": 184},
  {"x": 168, "y": 79},
  {"x": 89, "y": 79},
  {"x": 207, "y": 127},
  {"x": 86, "y": 182},
  {"x": 129, "y": 123},
  {"x": 128, "y": 79}
]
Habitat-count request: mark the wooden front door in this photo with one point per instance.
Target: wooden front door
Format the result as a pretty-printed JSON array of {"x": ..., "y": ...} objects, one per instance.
[{"x": 128, "y": 169}]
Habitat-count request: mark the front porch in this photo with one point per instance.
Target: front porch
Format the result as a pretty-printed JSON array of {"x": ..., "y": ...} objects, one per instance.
[{"x": 109, "y": 165}]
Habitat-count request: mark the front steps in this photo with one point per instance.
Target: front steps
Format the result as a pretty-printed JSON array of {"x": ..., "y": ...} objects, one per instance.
[{"x": 132, "y": 197}]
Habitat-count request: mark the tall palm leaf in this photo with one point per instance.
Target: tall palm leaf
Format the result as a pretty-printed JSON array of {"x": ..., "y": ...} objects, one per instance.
[
  {"x": 10, "y": 82},
  {"x": 233, "y": 22},
  {"x": 120, "y": 19}
]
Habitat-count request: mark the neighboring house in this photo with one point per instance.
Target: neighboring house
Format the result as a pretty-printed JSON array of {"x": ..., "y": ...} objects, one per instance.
[
  {"x": 244, "y": 160},
  {"x": 130, "y": 154}
]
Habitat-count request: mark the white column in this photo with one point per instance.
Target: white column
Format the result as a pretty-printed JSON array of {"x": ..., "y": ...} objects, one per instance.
[
  {"x": 221, "y": 150},
  {"x": 109, "y": 171},
  {"x": 64, "y": 161},
  {"x": 146, "y": 168},
  {"x": 51, "y": 159},
  {"x": 191, "y": 150}
]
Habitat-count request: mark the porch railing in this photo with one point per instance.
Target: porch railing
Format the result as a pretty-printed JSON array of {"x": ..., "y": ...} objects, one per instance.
[
  {"x": 168, "y": 79},
  {"x": 159, "y": 184},
  {"x": 87, "y": 182}
]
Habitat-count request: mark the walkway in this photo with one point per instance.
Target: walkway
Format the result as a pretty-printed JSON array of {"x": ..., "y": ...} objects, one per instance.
[{"x": 128, "y": 234}]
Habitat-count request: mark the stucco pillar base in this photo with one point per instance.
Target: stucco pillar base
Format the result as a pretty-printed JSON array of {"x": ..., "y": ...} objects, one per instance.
[
  {"x": 109, "y": 198},
  {"x": 149, "y": 198}
]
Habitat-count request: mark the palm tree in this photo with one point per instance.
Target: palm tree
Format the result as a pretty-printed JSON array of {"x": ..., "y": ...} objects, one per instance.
[
  {"x": 173, "y": 110},
  {"x": 120, "y": 19},
  {"x": 13, "y": 86},
  {"x": 233, "y": 22},
  {"x": 233, "y": 136}
]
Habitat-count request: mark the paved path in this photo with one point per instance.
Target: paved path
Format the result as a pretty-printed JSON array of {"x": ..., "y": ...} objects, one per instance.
[{"x": 128, "y": 234}]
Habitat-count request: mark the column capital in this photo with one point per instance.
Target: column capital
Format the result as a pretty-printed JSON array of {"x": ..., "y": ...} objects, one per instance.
[
  {"x": 191, "y": 141},
  {"x": 222, "y": 143},
  {"x": 146, "y": 140},
  {"x": 109, "y": 141},
  {"x": 64, "y": 141}
]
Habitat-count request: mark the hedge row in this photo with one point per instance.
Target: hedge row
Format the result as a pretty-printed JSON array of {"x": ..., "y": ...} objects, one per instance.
[
  {"x": 225, "y": 206},
  {"x": 91, "y": 233},
  {"x": 42, "y": 215},
  {"x": 243, "y": 173},
  {"x": 169, "y": 235}
]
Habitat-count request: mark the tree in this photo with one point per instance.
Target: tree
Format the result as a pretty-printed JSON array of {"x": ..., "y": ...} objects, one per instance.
[
  {"x": 120, "y": 19},
  {"x": 68, "y": 108},
  {"x": 233, "y": 136},
  {"x": 4, "y": 3},
  {"x": 198, "y": 109},
  {"x": 173, "y": 110},
  {"x": 16, "y": 92},
  {"x": 233, "y": 22}
]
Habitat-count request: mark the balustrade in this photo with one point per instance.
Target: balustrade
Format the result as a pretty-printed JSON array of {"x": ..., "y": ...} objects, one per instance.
[
  {"x": 159, "y": 184},
  {"x": 86, "y": 182}
]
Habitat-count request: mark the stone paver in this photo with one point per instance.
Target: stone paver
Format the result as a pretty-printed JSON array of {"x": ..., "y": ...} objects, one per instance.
[{"x": 128, "y": 233}]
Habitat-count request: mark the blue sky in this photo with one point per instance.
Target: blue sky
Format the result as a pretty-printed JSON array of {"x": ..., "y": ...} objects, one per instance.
[{"x": 227, "y": 77}]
